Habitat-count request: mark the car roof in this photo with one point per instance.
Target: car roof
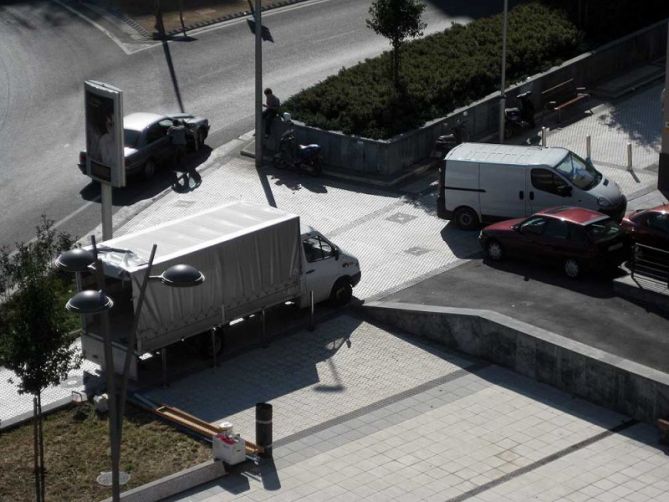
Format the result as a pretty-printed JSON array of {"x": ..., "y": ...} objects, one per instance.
[
  {"x": 575, "y": 215},
  {"x": 664, "y": 208},
  {"x": 518, "y": 155},
  {"x": 139, "y": 121}
]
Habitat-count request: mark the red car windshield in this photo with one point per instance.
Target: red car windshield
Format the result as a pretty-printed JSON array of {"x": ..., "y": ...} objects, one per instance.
[{"x": 603, "y": 230}]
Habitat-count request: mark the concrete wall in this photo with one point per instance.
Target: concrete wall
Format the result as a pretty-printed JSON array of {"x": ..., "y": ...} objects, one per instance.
[
  {"x": 388, "y": 158},
  {"x": 581, "y": 370}
]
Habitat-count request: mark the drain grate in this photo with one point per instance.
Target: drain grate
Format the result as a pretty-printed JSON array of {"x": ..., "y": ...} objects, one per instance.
[{"x": 401, "y": 218}]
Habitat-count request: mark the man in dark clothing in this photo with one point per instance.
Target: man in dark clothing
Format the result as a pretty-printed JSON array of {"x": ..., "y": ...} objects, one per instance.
[
  {"x": 177, "y": 134},
  {"x": 271, "y": 105}
]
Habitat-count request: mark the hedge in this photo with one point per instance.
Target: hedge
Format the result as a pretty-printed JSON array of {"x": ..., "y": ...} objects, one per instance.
[{"x": 439, "y": 73}]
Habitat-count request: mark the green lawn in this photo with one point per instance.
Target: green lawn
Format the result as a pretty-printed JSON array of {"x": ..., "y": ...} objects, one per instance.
[{"x": 77, "y": 450}]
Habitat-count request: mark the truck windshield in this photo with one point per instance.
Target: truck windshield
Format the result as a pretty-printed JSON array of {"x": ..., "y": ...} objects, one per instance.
[{"x": 581, "y": 173}]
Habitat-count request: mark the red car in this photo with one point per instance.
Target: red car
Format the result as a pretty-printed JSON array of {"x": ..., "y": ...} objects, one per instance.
[
  {"x": 649, "y": 226},
  {"x": 578, "y": 239}
]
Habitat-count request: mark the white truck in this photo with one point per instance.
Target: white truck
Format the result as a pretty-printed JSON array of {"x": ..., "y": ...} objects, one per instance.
[{"x": 253, "y": 257}]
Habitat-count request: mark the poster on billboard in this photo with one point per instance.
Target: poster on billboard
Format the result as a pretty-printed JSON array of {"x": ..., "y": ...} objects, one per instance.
[{"x": 104, "y": 133}]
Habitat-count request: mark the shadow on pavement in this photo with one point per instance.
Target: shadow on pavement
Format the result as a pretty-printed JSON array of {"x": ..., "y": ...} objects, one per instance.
[
  {"x": 461, "y": 242},
  {"x": 166, "y": 176}
]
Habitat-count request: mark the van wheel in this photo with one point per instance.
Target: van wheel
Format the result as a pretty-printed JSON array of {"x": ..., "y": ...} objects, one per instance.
[
  {"x": 466, "y": 218},
  {"x": 342, "y": 292},
  {"x": 571, "y": 268},
  {"x": 149, "y": 169},
  {"x": 494, "y": 250}
]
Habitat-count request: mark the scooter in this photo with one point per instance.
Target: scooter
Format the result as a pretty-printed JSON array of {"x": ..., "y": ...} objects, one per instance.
[
  {"x": 446, "y": 142},
  {"x": 292, "y": 155},
  {"x": 521, "y": 117}
]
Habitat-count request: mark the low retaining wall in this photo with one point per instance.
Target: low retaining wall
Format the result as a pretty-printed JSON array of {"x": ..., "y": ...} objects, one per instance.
[
  {"x": 601, "y": 378},
  {"x": 388, "y": 158},
  {"x": 176, "y": 483}
]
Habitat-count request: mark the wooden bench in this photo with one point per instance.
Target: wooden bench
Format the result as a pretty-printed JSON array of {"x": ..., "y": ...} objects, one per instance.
[{"x": 562, "y": 96}]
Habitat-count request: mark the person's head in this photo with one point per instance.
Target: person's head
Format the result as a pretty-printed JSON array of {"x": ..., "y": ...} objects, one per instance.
[{"x": 268, "y": 91}]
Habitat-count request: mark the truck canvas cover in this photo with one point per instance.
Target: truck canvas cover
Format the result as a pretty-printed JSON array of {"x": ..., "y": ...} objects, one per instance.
[{"x": 249, "y": 254}]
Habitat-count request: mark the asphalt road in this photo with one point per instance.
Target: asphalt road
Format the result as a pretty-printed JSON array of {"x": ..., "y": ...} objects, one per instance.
[
  {"x": 587, "y": 310},
  {"x": 48, "y": 51}
]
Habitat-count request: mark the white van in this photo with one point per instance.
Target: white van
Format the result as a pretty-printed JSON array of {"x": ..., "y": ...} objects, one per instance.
[{"x": 481, "y": 182}]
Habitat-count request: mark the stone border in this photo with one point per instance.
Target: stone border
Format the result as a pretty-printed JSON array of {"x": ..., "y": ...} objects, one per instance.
[
  {"x": 154, "y": 35},
  {"x": 584, "y": 371}
]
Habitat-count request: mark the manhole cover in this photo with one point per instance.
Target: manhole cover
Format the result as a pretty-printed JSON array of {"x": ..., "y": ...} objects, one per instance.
[
  {"x": 105, "y": 478},
  {"x": 417, "y": 251},
  {"x": 401, "y": 218}
]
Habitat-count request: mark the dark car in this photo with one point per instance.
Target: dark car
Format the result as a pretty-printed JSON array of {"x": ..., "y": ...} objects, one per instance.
[
  {"x": 649, "y": 226},
  {"x": 147, "y": 145},
  {"x": 578, "y": 239}
]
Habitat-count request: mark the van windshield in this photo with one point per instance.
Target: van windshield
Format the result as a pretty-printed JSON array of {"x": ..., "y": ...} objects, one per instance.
[{"x": 582, "y": 174}]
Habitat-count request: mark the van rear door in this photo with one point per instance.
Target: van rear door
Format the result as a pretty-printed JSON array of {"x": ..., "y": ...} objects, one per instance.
[{"x": 503, "y": 193}]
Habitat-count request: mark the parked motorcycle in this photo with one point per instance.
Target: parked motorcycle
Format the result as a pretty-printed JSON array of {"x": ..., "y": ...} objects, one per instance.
[
  {"x": 444, "y": 143},
  {"x": 519, "y": 118},
  {"x": 292, "y": 155}
]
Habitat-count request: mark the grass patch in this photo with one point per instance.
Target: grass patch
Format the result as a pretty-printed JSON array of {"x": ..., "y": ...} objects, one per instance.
[{"x": 77, "y": 450}]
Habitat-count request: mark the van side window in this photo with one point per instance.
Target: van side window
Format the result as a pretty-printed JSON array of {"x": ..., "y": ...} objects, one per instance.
[
  {"x": 316, "y": 249},
  {"x": 547, "y": 181}
]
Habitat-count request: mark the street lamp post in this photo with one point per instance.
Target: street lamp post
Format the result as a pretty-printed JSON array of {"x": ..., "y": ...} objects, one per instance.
[
  {"x": 258, "y": 67},
  {"x": 502, "y": 90},
  {"x": 97, "y": 302}
]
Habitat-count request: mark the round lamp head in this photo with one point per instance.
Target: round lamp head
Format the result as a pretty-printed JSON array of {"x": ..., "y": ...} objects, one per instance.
[
  {"x": 182, "y": 276},
  {"x": 89, "y": 302},
  {"x": 75, "y": 260}
]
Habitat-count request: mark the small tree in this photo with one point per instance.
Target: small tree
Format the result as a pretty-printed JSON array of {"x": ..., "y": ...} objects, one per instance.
[
  {"x": 397, "y": 20},
  {"x": 34, "y": 326}
]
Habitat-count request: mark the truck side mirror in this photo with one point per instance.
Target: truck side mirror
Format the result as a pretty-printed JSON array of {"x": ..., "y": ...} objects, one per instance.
[{"x": 335, "y": 252}]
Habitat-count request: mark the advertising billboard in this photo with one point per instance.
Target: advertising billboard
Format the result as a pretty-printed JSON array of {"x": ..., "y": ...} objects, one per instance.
[{"x": 104, "y": 133}]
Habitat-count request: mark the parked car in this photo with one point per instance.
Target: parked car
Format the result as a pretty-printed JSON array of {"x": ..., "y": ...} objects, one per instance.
[
  {"x": 649, "y": 226},
  {"x": 578, "y": 239},
  {"x": 146, "y": 144}
]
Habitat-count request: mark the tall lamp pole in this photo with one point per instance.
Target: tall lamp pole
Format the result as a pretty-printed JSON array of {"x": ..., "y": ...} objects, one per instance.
[
  {"x": 502, "y": 90},
  {"x": 97, "y": 302},
  {"x": 259, "y": 131},
  {"x": 663, "y": 170}
]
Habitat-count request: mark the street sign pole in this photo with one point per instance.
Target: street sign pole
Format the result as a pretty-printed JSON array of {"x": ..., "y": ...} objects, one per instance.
[
  {"x": 502, "y": 90},
  {"x": 259, "y": 129},
  {"x": 106, "y": 203}
]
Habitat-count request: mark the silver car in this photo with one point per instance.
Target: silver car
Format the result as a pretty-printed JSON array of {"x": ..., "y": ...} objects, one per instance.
[{"x": 147, "y": 145}]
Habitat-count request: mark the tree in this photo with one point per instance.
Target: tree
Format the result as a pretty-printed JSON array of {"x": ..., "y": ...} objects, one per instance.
[
  {"x": 34, "y": 326},
  {"x": 396, "y": 20}
]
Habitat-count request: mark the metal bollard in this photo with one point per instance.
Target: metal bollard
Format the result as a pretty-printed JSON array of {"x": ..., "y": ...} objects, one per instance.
[
  {"x": 588, "y": 147},
  {"x": 312, "y": 324},
  {"x": 264, "y": 429},
  {"x": 629, "y": 156},
  {"x": 543, "y": 135}
]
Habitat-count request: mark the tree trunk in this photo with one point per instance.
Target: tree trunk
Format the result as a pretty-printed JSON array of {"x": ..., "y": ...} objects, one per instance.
[
  {"x": 396, "y": 64},
  {"x": 181, "y": 17},
  {"x": 36, "y": 469},
  {"x": 40, "y": 423}
]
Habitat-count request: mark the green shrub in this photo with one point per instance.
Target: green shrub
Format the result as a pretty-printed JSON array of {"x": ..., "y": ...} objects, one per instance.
[{"x": 439, "y": 73}]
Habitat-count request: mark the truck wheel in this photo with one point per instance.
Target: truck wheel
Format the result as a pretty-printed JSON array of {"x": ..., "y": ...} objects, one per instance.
[
  {"x": 466, "y": 218},
  {"x": 342, "y": 291},
  {"x": 149, "y": 169}
]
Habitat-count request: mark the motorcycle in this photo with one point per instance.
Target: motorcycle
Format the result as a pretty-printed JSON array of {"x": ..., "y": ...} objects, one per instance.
[
  {"x": 292, "y": 155},
  {"x": 444, "y": 143},
  {"x": 521, "y": 117}
]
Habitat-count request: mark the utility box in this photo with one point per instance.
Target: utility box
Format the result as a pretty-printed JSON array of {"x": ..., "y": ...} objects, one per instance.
[{"x": 229, "y": 449}]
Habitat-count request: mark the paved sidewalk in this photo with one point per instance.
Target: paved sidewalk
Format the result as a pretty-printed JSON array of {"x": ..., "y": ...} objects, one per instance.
[{"x": 361, "y": 413}]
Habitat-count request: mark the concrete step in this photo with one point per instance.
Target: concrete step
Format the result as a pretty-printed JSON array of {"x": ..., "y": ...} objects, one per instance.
[{"x": 630, "y": 81}]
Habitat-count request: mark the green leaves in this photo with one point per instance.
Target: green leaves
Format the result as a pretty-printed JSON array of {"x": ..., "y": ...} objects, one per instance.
[
  {"x": 34, "y": 326},
  {"x": 438, "y": 73}
]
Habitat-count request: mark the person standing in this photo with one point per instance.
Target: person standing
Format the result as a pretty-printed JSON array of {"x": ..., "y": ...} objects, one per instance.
[
  {"x": 271, "y": 105},
  {"x": 177, "y": 135}
]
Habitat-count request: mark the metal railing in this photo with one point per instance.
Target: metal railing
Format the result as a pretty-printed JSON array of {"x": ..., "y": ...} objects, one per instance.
[{"x": 651, "y": 263}]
